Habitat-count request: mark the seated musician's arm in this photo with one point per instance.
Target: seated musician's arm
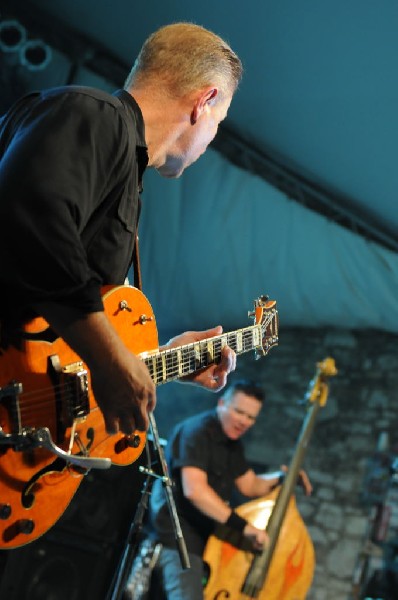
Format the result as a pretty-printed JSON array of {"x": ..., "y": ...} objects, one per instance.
[
  {"x": 252, "y": 485},
  {"x": 198, "y": 491},
  {"x": 205, "y": 499}
]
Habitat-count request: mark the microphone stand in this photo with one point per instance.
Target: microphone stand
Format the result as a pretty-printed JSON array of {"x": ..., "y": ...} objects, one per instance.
[
  {"x": 167, "y": 485},
  {"x": 120, "y": 579}
]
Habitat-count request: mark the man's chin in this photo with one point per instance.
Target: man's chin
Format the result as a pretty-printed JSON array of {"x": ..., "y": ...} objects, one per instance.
[{"x": 170, "y": 173}]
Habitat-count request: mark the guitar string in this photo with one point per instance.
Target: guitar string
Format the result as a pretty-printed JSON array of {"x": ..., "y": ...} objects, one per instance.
[
  {"x": 169, "y": 353},
  {"x": 172, "y": 370},
  {"x": 47, "y": 395}
]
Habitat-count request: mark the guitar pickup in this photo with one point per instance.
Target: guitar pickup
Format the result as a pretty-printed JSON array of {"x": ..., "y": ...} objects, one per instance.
[
  {"x": 75, "y": 399},
  {"x": 9, "y": 400},
  {"x": 70, "y": 383}
]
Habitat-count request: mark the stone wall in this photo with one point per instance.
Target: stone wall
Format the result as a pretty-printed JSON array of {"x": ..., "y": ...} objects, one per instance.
[{"x": 362, "y": 405}]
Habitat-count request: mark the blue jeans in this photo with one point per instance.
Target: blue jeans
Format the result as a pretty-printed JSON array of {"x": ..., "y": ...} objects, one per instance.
[{"x": 179, "y": 583}]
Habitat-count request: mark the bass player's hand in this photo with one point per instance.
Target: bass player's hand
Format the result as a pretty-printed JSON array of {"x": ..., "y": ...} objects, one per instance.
[{"x": 258, "y": 537}]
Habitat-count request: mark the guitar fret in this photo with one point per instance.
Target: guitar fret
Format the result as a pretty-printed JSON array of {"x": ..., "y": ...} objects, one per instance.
[
  {"x": 223, "y": 341},
  {"x": 197, "y": 355},
  {"x": 204, "y": 354},
  {"x": 247, "y": 340},
  {"x": 210, "y": 351},
  {"x": 231, "y": 341},
  {"x": 256, "y": 337},
  {"x": 157, "y": 368},
  {"x": 170, "y": 361},
  {"x": 189, "y": 362},
  {"x": 179, "y": 364},
  {"x": 160, "y": 369},
  {"x": 195, "y": 361},
  {"x": 239, "y": 342},
  {"x": 151, "y": 367}
]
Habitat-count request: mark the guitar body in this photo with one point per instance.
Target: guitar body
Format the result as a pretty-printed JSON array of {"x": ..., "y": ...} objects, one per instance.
[{"x": 36, "y": 486}]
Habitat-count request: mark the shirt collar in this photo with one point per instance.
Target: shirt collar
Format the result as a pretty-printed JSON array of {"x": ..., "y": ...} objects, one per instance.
[
  {"x": 141, "y": 146},
  {"x": 217, "y": 430},
  {"x": 137, "y": 115}
]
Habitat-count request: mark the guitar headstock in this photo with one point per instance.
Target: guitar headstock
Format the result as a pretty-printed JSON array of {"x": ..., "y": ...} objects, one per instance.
[{"x": 266, "y": 314}]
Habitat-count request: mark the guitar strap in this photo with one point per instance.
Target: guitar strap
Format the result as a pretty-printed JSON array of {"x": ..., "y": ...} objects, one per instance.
[
  {"x": 136, "y": 254},
  {"x": 93, "y": 228},
  {"x": 142, "y": 161}
]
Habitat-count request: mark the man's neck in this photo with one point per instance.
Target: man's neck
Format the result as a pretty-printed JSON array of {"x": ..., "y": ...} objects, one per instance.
[{"x": 165, "y": 119}]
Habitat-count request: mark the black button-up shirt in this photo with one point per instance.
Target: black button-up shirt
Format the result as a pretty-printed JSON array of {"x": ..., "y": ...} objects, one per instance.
[
  {"x": 72, "y": 160},
  {"x": 197, "y": 442}
]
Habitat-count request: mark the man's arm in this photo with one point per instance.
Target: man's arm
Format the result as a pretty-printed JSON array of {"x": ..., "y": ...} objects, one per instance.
[
  {"x": 122, "y": 385},
  {"x": 197, "y": 489},
  {"x": 254, "y": 486}
]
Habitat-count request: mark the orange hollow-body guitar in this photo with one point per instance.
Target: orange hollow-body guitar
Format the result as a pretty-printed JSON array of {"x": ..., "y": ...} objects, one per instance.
[{"x": 51, "y": 429}]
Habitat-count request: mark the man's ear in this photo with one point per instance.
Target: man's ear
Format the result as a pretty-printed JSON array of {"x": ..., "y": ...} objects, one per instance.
[{"x": 202, "y": 100}]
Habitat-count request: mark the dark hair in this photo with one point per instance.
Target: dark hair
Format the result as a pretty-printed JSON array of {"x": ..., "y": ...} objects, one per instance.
[{"x": 248, "y": 387}]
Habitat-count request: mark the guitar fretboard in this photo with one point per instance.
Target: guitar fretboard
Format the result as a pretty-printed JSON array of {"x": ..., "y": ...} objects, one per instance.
[{"x": 175, "y": 363}]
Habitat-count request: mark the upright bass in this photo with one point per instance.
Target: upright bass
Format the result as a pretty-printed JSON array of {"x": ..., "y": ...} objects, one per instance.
[{"x": 283, "y": 570}]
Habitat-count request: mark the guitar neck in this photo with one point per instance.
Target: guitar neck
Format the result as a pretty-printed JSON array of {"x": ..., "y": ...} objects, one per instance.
[{"x": 175, "y": 363}]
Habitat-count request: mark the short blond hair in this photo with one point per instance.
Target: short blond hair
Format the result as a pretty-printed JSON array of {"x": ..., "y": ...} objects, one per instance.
[{"x": 184, "y": 57}]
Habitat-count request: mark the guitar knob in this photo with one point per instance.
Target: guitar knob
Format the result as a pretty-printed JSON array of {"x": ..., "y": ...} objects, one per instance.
[
  {"x": 128, "y": 441},
  {"x": 133, "y": 441},
  {"x": 5, "y": 511},
  {"x": 144, "y": 319},
  {"x": 123, "y": 305},
  {"x": 25, "y": 526}
]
